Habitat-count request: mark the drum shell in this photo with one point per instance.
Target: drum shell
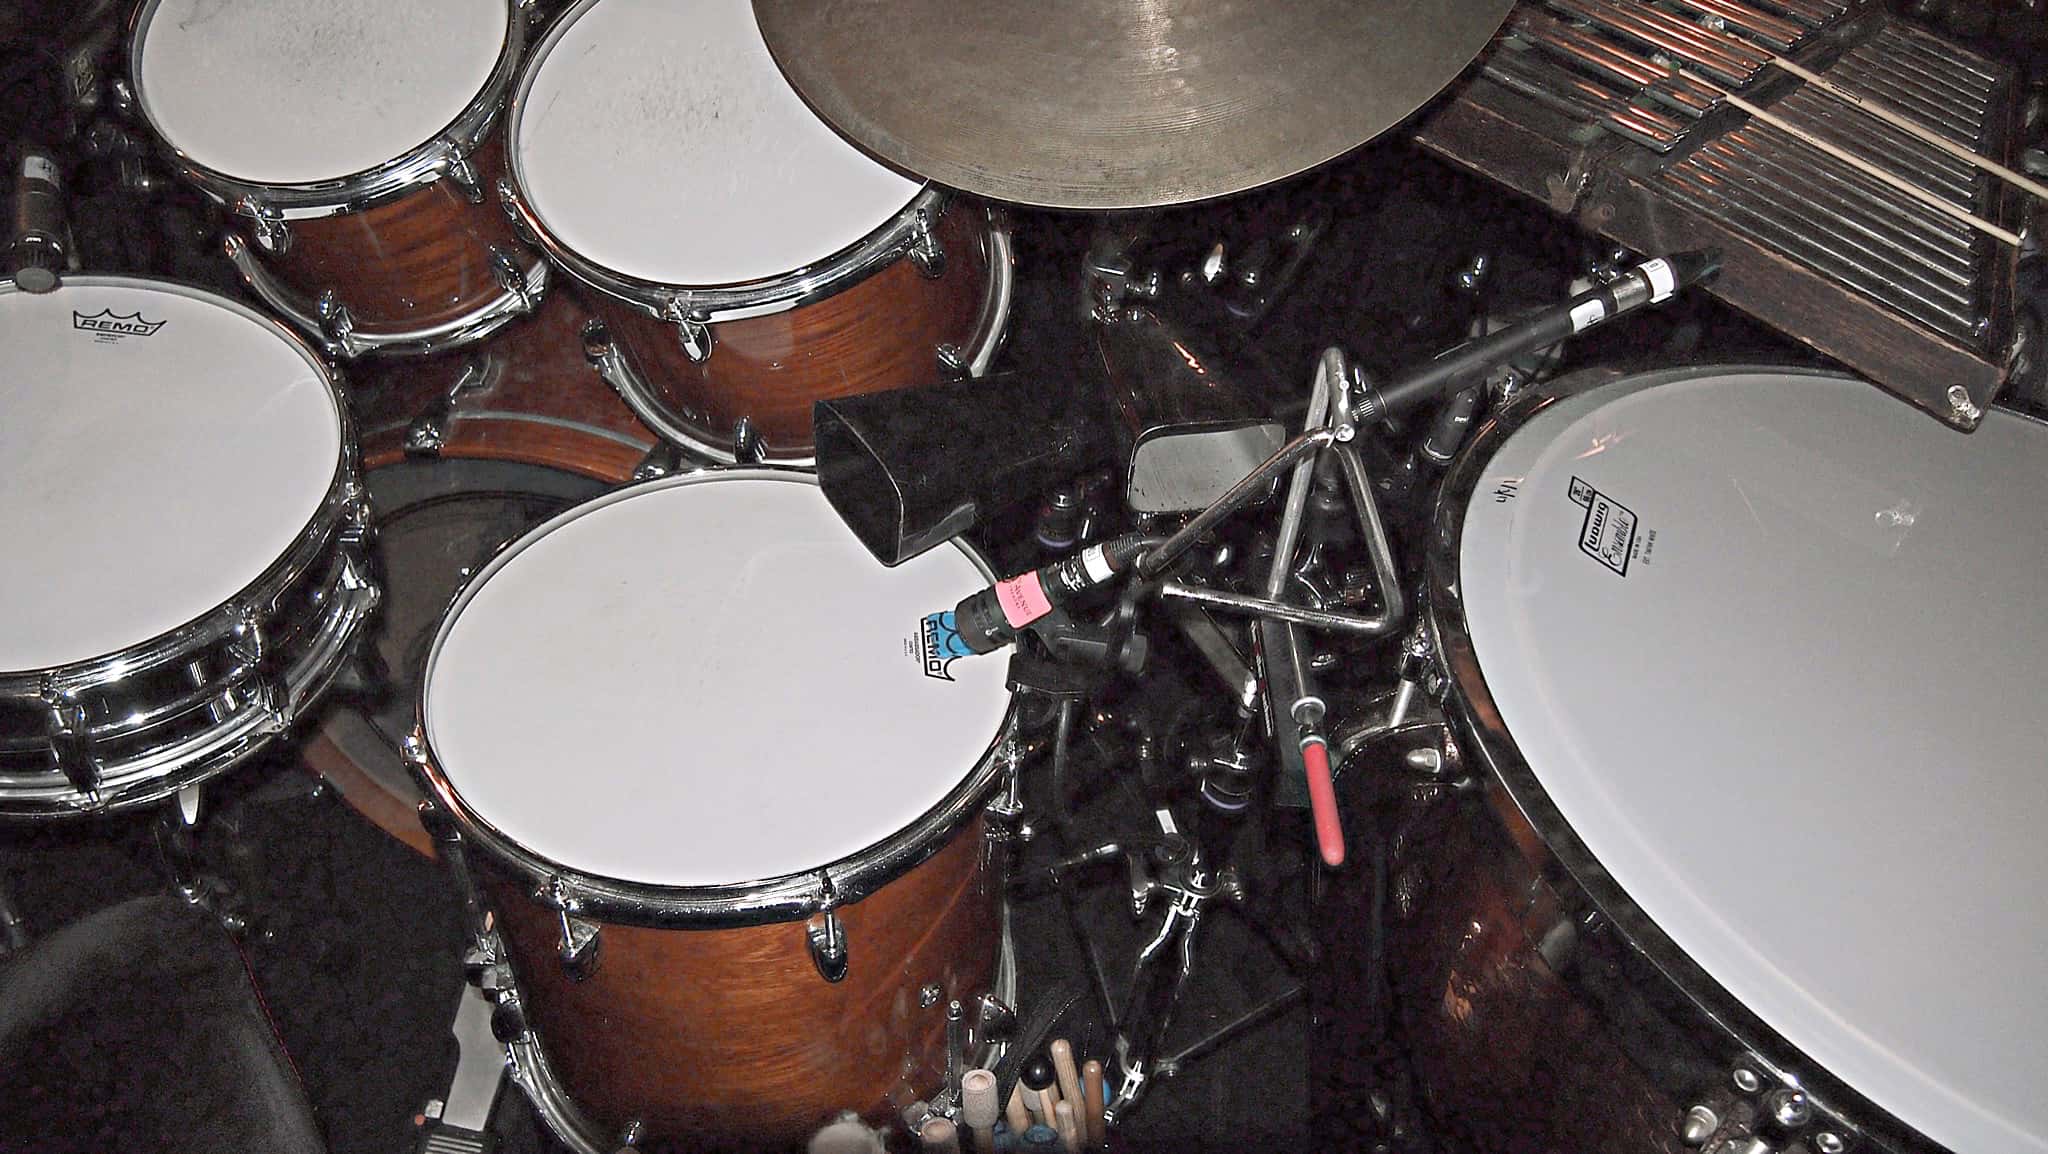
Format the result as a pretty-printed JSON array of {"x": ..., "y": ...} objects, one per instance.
[
  {"x": 730, "y": 1038},
  {"x": 545, "y": 404},
  {"x": 422, "y": 261},
  {"x": 882, "y": 332}
]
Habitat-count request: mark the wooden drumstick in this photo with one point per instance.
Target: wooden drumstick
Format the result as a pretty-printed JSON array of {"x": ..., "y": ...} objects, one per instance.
[
  {"x": 1069, "y": 1128},
  {"x": 939, "y": 1136},
  {"x": 1091, "y": 1117},
  {"x": 1070, "y": 1077},
  {"x": 1014, "y": 1112},
  {"x": 979, "y": 1108},
  {"x": 1861, "y": 165}
]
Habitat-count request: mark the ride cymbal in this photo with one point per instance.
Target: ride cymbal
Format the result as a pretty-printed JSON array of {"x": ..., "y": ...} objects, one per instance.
[{"x": 1119, "y": 103}]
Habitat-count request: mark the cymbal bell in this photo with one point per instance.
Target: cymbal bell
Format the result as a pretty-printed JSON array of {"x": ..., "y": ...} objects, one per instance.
[{"x": 1103, "y": 104}]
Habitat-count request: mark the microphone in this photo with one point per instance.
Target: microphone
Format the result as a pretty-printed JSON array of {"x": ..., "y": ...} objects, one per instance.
[
  {"x": 35, "y": 249},
  {"x": 993, "y": 618},
  {"x": 1651, "y": 282}
]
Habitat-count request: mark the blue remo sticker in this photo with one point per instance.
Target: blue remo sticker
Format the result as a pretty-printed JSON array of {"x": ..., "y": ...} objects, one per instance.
[{"x": 940, "y": 644}]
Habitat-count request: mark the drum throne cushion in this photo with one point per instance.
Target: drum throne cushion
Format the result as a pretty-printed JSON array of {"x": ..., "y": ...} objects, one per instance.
[{"x": 137, "y": 1028}]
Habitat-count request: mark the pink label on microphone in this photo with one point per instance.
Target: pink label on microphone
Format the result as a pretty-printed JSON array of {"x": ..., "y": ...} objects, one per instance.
[{"x": 1023, "y": 599}]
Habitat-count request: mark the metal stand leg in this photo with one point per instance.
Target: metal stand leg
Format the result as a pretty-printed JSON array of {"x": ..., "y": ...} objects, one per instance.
[
  {"x": 459, "y": 1121},
  {"x": 177, "y": 840}
]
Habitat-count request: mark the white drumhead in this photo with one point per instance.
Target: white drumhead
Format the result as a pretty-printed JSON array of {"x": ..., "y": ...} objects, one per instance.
[
  {"x": 704, "y": 681},
  {"x": 300, "y": 91},
  {"x": 160, "y": 448},
  {"x": 658, "y": 139},
  {"x": 1775, "y": 645}
]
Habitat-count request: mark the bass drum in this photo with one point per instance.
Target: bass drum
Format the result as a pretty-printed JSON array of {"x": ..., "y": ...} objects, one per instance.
[
  {"x": 1733, "y": 840},
  {"x": 463, "y": 454}
]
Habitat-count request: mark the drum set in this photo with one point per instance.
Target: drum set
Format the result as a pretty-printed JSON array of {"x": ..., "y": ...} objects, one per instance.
[{"x": 1666, "y": 736}]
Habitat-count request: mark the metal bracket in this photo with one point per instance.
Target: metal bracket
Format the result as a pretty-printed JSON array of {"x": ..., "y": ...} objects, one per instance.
[
  {"x": 513, "y": 280},
  {"x": 266, "y": 224},
  {"x": 926, "y": 252},
  {"x": 693, "y": 330},
  {"x": 508, "y": 201},
  {"x": 71, "y": 740},
  {"x": 828, "y": 945},
  {"x": 579, "y": 946},
  {"x": 335, "y": 322},
  {"x": 952, "y": 361},
  {"x": 746, "y": 443},
  {"x": 426, "y": 433},
  {"x": 463, "y": 175}
]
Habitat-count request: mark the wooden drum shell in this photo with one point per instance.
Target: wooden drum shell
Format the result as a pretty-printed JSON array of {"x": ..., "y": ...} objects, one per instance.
[
  {"x": 881, "y": 333},
  {"x": 417, "y": 262},
  {"x": 730, "y": 1038}
]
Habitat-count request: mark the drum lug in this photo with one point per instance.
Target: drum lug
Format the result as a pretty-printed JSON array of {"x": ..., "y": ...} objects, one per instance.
[
  {"x": 828, "y": 945},
  {"x": 512, "y": 278},
  {"x": 462, "y": 174},
  {"x": 336, "y": 325},
  {"x": 926, "y": 252},
  {"x": 663, "y": 460},
  {"x": 952, "y": 361},
  {"x": 579, "y": 946},
  {"x": 508, "y": 200},
  {"x": 693, "y": 330},
  {"x": 253, "y": 652},
  {"x": 71, "y": 740},
  {"x": 266, "y": 224},
  {"x": 746, "y": 443}
]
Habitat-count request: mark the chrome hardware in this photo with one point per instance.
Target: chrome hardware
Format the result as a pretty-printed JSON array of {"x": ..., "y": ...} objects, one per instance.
[
  {"x": 952, "y": 362},
  {"x": 426, "y": 433},
  {"x": 746, "y": 443},
  {"x": 336, "y": 325},
  {"x": 928, "y": 995},
  {"x": 1789, "y": 1108},
  {"x": 71, "y": 739},
  {"x": 1699, "y": 1125},
  {"x": 266, "y": 224},
  {"x": 632, "y": 1132},
  {"x": 926, "y": 252},
  {"x": 613, "y": 369},
  {"x": 1747, "y": 1080},
  {"x": 956, "y": 1049},
  {"x": 1750, "y": 1145},
  {"x": 462, "y": 174},
  {"x": 662, "y": 460},
  {"x": 508, "y": 201},
  {"x": 1962, "y": 411},
  {"x": 693, "y": 330},
  {"x": 578, "y": 948},
  {"x": 828, "y": 945},
  {"x": 994, "y": 1020},
  {"x": 1829, "y": 1142},
  {"x": 513, "y": 280},
  {"x": 993, "y": 326}
]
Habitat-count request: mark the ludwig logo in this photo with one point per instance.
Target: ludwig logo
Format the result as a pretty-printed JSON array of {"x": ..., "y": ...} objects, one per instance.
[
  {"x": 108, "y": 323},
  {"x": 939, "y": 644}
]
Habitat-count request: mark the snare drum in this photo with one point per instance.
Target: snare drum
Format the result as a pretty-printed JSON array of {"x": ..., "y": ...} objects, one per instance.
[
  {"x": 750, "y": 261},
  {"x": 711, "y": 767},
  {"x": 461, "y": 454},
  {"x": 1744, "y": 667},
  {"x": 183, "y": 528},
  {"x": 352, "y": 140}
]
